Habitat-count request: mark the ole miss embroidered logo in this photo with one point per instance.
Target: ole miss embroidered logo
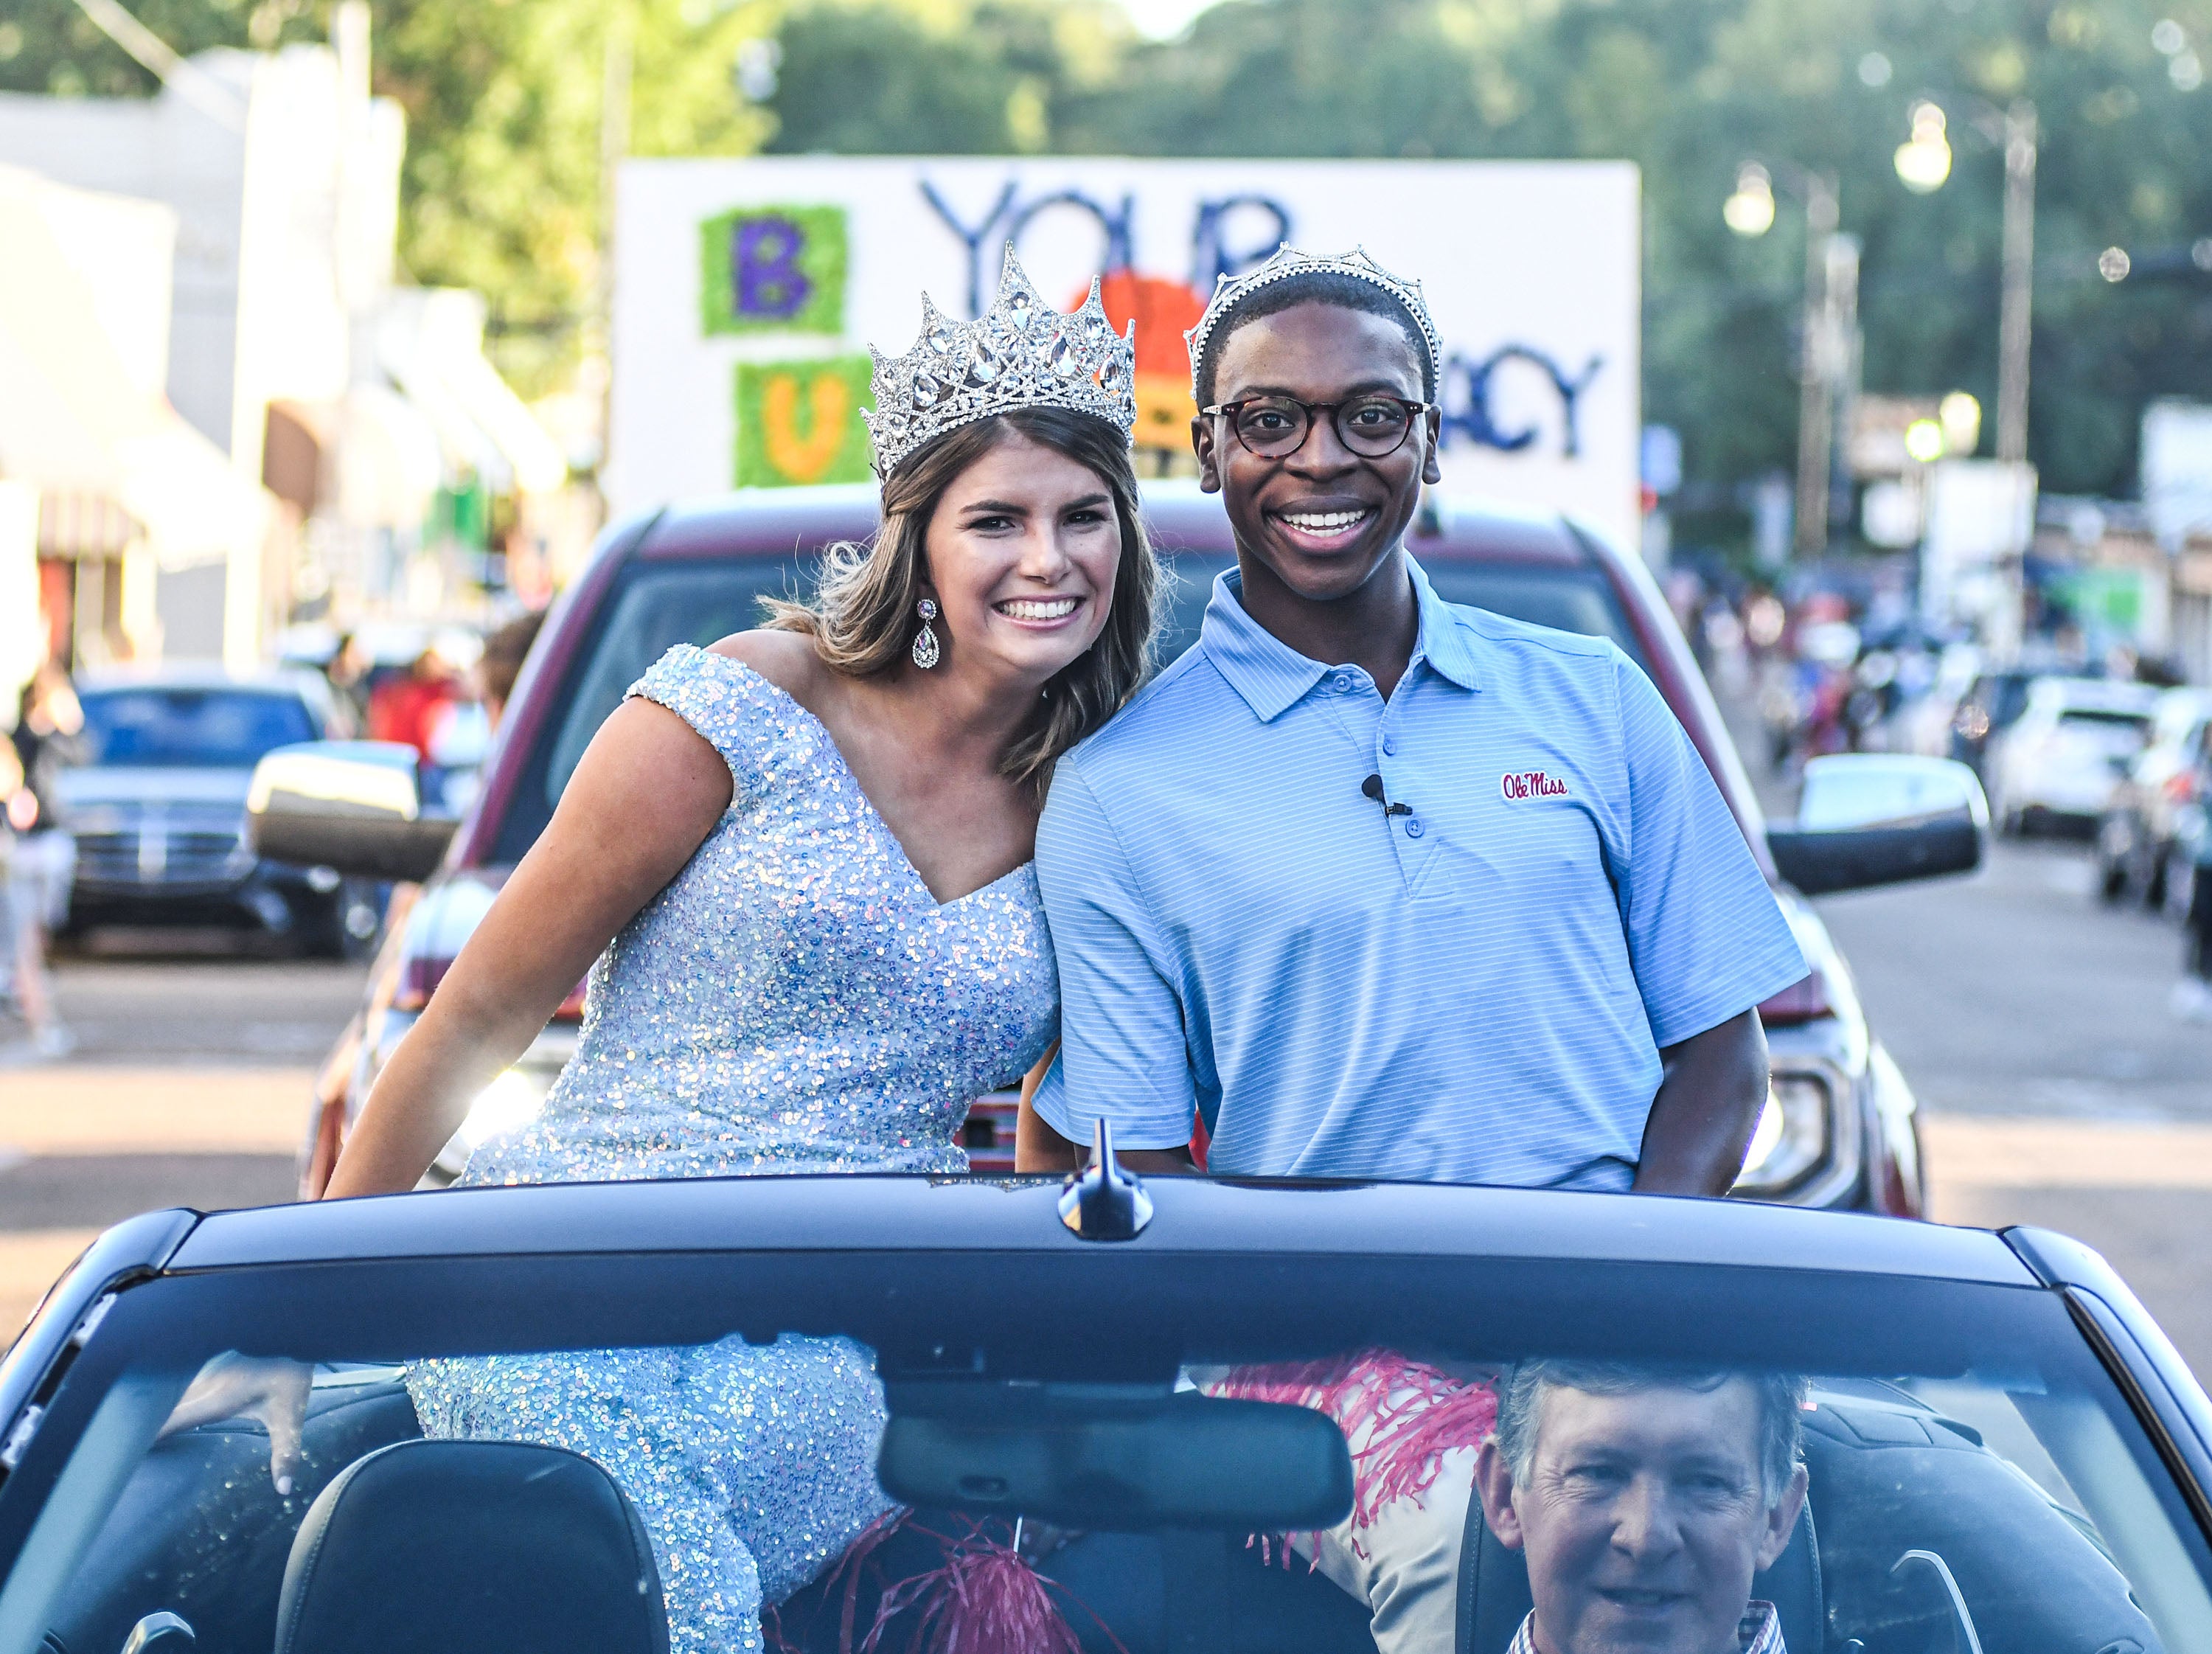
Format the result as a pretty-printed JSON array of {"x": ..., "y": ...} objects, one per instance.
[{"x": 1518, "y": 784}]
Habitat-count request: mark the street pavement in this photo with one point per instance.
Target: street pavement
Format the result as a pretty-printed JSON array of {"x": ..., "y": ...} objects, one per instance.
[
  {"x": 2056, "y": 1087},
  {"x": 189, "y": 1088}
]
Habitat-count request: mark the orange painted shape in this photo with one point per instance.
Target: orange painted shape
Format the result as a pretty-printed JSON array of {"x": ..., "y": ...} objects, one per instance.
[
  {"x": 1163, "y": 310},
  {"x": 804, "y": 459}
]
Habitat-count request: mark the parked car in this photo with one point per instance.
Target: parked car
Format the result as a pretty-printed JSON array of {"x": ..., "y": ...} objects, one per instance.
[
  {"x": 2136, "y": 836},
  {"x": 1838, "y": 1129},
  {"x": 2002, "y": 1451},
  {"x": 2061, "y": 760},
  {"x": 158, "y": 807}
]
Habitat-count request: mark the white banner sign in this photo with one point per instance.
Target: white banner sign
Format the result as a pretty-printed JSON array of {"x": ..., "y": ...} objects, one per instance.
[{"x": 747, "y": 293}]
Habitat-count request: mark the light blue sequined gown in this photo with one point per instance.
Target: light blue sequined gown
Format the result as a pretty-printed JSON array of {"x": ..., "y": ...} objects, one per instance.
[{"x": 795, "y": 1001}]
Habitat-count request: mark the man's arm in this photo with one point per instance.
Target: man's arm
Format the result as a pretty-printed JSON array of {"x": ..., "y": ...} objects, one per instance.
[
  {"x": 1038, "y": 1147},
  {"x": 1708, "y": 942},
  {"x": 1705, "y": 1112}
]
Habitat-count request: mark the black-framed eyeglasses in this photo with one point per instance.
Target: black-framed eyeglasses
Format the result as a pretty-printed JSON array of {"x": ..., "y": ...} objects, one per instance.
[{"x": 1275, "y": 427}]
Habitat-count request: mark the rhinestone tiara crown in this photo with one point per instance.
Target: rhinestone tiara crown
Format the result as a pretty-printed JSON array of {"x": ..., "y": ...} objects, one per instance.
[
  {"x": 1021, "y": 353},
  {"x": 1287, "y": 261}
]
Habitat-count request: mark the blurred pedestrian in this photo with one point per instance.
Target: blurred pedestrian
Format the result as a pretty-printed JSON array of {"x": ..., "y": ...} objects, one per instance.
[
  {"x": 41, "y": 856},
  {"x": 2192, "y": 994},
  {"x": 349, "y": 670},
  {"x": 501, "y": 664},
  {"x": 407, "y": 709}
]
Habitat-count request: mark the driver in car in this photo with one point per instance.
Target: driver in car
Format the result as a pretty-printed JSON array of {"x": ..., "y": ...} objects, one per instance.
[{"x": 1644, "y": 1499}]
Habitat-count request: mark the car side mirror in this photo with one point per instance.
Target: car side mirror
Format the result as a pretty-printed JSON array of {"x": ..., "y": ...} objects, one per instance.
[
  {"x": 354, "y": 805},
  {"x": 1871, "y": 819}
]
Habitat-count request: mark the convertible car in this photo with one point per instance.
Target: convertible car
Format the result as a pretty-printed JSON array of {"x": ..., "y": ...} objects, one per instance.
[{"x": 2004, "y": 1453}]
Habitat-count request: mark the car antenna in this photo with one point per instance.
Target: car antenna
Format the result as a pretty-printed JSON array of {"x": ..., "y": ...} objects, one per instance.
[{"x": 1103, "y": 1202}]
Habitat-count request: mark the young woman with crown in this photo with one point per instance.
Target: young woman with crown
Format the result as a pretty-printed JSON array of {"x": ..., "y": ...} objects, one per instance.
[{"x": 797, "y": 866}]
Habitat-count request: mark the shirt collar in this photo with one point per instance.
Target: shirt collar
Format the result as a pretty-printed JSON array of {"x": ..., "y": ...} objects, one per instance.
[
  {"x": 1272, "y": 677},
  {"x": 1759, "y": 1631}
]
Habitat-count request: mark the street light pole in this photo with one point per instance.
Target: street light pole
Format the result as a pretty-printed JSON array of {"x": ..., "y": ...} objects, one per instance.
[
  {"x": 1816, "y": 399},
  {"x": 2017, "y": 308},
  {"x": 616, "y": 64},
  {"x": 1827, "y": 371}
]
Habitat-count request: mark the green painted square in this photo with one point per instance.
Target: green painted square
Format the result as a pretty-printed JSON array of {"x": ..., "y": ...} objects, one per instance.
[
  {"x": 773, "y": 270},
  {"x": 800, "y": 422}
]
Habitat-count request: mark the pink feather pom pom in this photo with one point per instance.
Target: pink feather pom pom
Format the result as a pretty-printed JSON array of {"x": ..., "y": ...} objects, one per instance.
[
  {"x": 986, "y": 1599},
  {"x": 1405, "y": 1415}
]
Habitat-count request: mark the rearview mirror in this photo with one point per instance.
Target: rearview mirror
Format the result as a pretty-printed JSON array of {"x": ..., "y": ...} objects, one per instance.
[
  {"x": 1171, "y": 1462},
  {"x": 353, "y": 806},
  {"x": 1868, "y": 818}
]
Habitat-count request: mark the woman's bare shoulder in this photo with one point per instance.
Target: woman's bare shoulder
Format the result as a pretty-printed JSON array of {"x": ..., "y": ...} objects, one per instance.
[{"x": 787, "y": 660}]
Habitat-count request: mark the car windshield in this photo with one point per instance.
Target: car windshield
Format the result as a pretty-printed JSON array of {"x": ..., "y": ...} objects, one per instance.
[
  {"x": 1570, "y": 597},
  {"x": 198, "y": 729},
  {"x": 2112, "y": 735},
  {"x": 653, "y": 607},
  {"x": 1163, "y": 1449}
]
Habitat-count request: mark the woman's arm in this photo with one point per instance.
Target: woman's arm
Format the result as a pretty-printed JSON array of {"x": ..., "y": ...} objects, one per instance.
[
  {"x": 646, "y": 795},
  {"x": 1037, "y": 1147}
]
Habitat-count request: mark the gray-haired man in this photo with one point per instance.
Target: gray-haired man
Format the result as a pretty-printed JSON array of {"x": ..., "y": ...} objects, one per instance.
[{"x": 1644, "y": 1498}]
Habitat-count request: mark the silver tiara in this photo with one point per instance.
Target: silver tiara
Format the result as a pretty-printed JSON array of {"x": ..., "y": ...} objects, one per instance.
[
  {"x": 1288, "y": 261},
  {"x": 1021, "y": 354}
]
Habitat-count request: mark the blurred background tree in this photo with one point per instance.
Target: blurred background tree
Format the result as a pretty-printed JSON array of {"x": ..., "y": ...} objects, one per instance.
[
  {"x": 501, "y": 189},
  {"x": 1689, "y": 89},
  {"x": 504, "y": 100},
  {"x": 940, "y": 78}
]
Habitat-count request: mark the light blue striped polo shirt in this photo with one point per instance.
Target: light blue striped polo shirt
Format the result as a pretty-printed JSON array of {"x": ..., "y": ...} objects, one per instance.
[{"x": 1473, "y": 991}]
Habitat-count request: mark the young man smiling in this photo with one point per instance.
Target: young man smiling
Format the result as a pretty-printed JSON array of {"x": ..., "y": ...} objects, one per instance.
[{"x": 1378, "y": 886}]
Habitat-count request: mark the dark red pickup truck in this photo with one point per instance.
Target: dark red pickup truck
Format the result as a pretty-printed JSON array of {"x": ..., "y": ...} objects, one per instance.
[{"x": 1838, "y": 1129}]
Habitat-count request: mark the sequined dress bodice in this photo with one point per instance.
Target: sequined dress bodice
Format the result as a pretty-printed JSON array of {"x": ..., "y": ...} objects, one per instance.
[{"x": 796, "y": 1000}]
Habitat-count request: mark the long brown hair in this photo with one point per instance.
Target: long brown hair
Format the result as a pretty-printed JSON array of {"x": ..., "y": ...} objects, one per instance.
[{"x": 862, "y": 618}]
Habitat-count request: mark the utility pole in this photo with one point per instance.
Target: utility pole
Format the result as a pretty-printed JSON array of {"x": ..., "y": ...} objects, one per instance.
[
  {"x": 615, "y": 68},
  {"x": 2017, "y": 308},
  {"x": 1816, "y": 399},
  {"x": 1845, "y": 346}
]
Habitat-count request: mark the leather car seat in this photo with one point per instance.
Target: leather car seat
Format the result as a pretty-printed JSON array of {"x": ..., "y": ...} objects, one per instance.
[
  {"x": 491, "y": 1546},
  {"x": 1494, "y": 1597},
  {"x": 199, "y": 1532},
  {"x": 1893, "y": 1475}
]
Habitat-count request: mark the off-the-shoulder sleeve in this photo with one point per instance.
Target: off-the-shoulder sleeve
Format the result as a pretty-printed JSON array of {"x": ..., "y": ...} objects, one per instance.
[{"x": 732, "y": 707}]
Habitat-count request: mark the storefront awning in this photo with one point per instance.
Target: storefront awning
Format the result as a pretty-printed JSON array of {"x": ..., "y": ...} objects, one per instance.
[{"x": 78, "y": 426}]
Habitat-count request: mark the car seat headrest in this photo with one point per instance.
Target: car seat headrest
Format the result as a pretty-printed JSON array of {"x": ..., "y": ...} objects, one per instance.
[{"x": 491, "y": 1547}]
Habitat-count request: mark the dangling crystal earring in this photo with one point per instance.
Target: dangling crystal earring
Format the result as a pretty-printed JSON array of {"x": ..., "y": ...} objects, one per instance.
[{"x": 925, "y": 651}]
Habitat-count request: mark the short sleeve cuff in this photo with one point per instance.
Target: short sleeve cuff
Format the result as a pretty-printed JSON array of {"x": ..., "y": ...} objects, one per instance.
[
  {"x": 1152, "y": 1130},
  {"x": 721, "y": 699},
  {"x": 1687, "y": 1016}
]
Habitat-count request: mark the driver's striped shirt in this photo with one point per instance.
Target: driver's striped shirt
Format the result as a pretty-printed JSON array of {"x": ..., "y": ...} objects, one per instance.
[{"x": 1759, "y": 1631}]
